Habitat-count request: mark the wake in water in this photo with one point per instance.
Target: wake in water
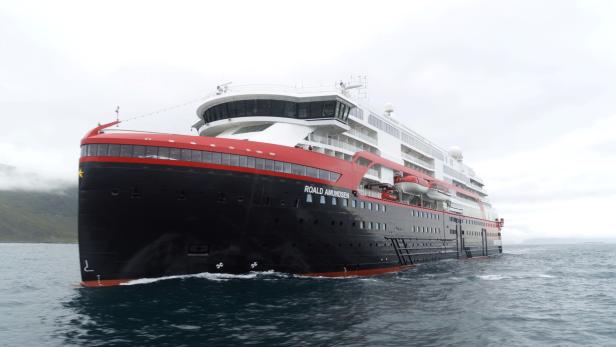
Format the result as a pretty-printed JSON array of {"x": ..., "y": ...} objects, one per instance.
[
  {"x": 216, "y": 277},
  {"x": 497, "y": 277}
]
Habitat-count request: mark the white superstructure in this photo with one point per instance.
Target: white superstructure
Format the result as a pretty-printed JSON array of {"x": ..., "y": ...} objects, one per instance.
[{"x": 331, "y": 121}]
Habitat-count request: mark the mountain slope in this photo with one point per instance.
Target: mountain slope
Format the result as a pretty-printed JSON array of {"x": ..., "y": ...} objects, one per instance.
[{"x": 34, "y": 216}]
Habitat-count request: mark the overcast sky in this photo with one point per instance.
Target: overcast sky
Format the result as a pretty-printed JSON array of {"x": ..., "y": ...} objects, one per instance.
[{"x": 526, "y": 88}]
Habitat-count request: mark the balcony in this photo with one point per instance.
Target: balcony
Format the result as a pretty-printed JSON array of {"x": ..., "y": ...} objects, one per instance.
[
  {"x": 337, "y": 143},
  {"x": 363, "y": 136},
  {"x": 417, "y": 161}
]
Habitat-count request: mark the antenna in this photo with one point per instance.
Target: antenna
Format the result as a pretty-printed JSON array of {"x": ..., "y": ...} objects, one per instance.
[
  {"x": 117, "y": 112},
  {"x": 222, "y": 88}
]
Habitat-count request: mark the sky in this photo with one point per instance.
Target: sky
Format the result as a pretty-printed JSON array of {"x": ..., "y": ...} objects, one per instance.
[{"x": 526, "y": 88}]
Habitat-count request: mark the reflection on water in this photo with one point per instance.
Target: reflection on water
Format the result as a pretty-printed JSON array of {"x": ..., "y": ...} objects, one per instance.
[
  {"x": 533, "y": 296},
  {"x": 264, "y": 309}
]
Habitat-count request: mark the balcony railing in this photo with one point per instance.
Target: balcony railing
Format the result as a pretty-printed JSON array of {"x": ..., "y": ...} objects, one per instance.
[
  {"x": 418, "y": 161},
  {"x": 363, "y": 136},
  {"x": 367, "y": 192},
  {"x": 337, "y": 143}
]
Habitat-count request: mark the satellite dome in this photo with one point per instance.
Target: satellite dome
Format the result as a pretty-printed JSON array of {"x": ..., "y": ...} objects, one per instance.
[
  {"x": 456, "y": 153},
  {"x": 389, "y": 108}
]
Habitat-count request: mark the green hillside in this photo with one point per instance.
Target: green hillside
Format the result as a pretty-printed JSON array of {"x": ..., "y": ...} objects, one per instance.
[{"x": 31, "y": 216}]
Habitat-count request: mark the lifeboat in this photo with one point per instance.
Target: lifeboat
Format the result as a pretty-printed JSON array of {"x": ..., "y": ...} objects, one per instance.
[
  {"x": 412, "y": 184},
  {"x": 389, "y": 195},
  {"x": 438, "y": 192}
]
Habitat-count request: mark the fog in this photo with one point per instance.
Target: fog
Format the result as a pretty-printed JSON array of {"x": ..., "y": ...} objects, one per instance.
[{"x": 526, "y": 88}]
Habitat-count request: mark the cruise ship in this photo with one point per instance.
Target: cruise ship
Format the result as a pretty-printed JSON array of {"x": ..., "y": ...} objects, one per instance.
[{"x": 293, "y": 180}]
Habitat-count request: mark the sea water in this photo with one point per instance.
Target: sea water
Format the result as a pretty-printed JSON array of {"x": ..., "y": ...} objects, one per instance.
[{"x": 529, "y": 296}]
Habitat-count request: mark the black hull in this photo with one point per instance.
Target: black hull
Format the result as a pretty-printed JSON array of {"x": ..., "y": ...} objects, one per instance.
[{"x": 144, "y": 220}]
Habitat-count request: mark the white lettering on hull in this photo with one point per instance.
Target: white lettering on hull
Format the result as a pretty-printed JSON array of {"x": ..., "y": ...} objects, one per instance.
[{"x": 327, "y": 192}]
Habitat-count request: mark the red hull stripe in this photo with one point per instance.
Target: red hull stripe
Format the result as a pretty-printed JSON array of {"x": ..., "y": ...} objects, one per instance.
[
  {"x": 368, "y": 272},
  {"x": 103, "y": 283}
]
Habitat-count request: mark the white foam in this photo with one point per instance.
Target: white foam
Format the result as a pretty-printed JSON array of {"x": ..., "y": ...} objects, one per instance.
[
  {"x": 492, "y": 277},
  {"x": 216, "y": 277}
]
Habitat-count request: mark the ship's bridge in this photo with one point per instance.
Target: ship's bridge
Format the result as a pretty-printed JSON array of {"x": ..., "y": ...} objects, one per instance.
[{"x": 279, "y": 118}]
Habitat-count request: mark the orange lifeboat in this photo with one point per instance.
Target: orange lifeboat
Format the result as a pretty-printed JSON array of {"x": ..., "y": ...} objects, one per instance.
[{"x": 412, "y": 184}]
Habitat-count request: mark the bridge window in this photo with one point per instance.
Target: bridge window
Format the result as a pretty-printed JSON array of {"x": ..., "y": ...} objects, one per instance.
[
  {"x": 309, "y": 197},
  {"x": 277, "y": 108}
]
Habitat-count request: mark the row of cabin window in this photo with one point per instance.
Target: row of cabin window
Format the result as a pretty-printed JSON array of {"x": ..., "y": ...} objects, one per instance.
[
  {"x": 372, "y": 225},
  {"x": 418, "y": 229},
  {"x": 470, "y": 221},
  {"x": 422, "y": 214},
  {"x": 170, "y": 153},
  {"x": 345, "y": 202}
]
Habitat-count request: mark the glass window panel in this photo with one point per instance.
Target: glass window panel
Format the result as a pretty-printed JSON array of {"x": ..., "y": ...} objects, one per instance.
[
  {"x": 269, "y": 165},
  {"x": 362, "y": 204},
  {"x": 196, "y": 156},
  {"x": 290, "y": 109},
  {"x": 206, "y": 156},
  {"x": 185, "y": 154},
  {"x": 151, "y": 152},
  {"x": 260, "y": 163},
  {"x": 288, "y": 167},
  {"x": 126, "y": 151},
  {"x": 369, "y": 205},
  {"x": 84, "y": 150},
  {"x": 329, "y": 108},
  {"x": 216, "y": 158},
  {"x": 299, "y": 170},
  {"x": 243, "y": 160},
  {"x": 114, "y": 150},
  {"x": 334, "y": 201},
  {"x": 277, "y": 108},
  {"x": 240, "y": 108},
  {"x": 312, "y": 172},
  {"x": 361, "y": 224},
  {"x": 264, "y": 108},
  {"x": 322, "y": 199},
  {"x": 384, "y": 226},
  {"x": 376, "y": 207},
  {"x": 163, "y": 153},
  {"x": 251, "y": 107},
  {"x": 323, "y": 174},
  {"x": 369, "y": 225},
  {"x": 316, "y": 109},
  {"x": 377, "y": 226},
  {"x": 102, "y": 150},
  {"x": 139, "y": 152},
  {"x": 92, "y": 149},
  {"x": 302, "y": 110},
  {"x": 278, "y": 166},
  {"x": 250, "y": 162},
  {"x": 384, "y": 208},
  {"x": 308, "y": 197},
  {"x": 334, "y": 176},
  {"x": 174, "y": 153},
  {"x": 354, "y": 203},
  {"x": 345, "y": 202},
  {"x": 235, "y": 160},
  {"x": 226, "y": 159}
]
